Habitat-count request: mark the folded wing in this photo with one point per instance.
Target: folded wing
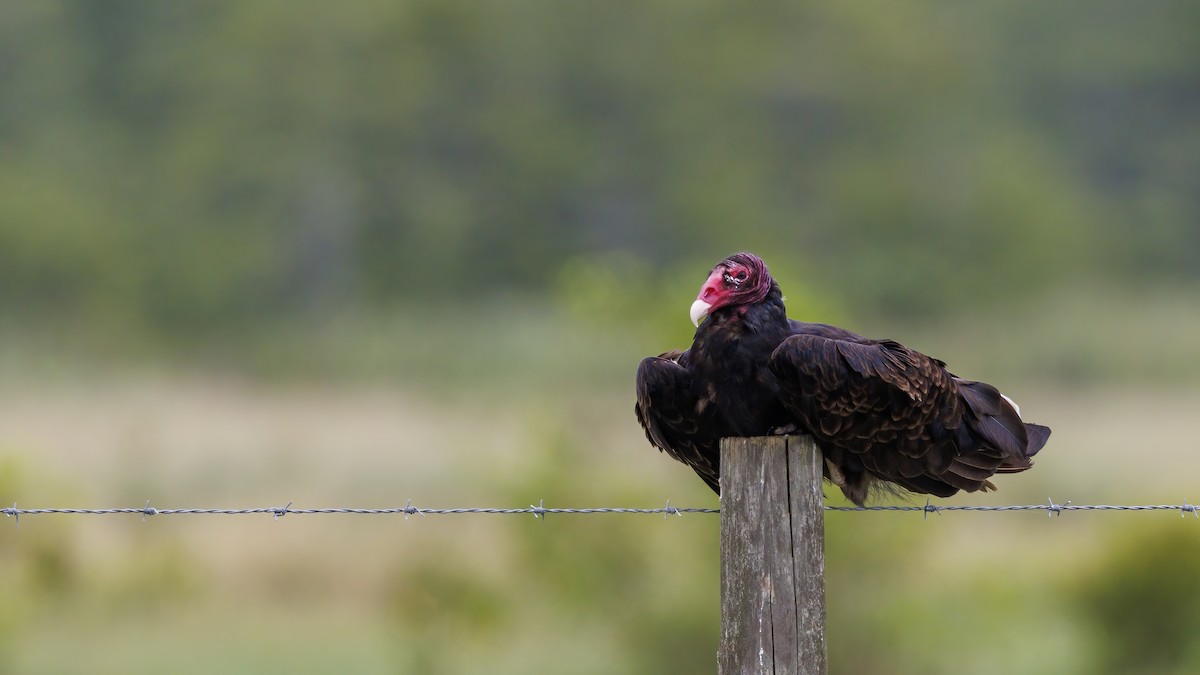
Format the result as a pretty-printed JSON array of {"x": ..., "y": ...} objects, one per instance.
[
  {"x": 885, "y": 412},
  {"x": 667, "y": 408}
]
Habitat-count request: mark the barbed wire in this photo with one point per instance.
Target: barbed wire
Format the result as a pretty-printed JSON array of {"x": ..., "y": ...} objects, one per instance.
[
  {"x": 407, "y": 510},
  {"x": 1051, "y": 508},
  {"x": 541, "y": 511}
]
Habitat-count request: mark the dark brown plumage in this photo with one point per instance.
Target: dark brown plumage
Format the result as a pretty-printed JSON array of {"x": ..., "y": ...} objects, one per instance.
[{"x": 879, "y": 411}]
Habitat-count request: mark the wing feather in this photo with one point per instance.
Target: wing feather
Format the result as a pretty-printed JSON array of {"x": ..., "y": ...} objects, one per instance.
[
  {"x": 667, "y": 408},
  {"x": 908, "y": 419},
  {"x": 894, "y": 407},
  {"x": 876, "y": 390}
]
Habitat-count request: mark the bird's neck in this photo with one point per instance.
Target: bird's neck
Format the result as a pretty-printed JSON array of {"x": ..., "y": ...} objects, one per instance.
[
  {"x": 731, "y": 353},
  {"x": 768, "y": 318}
]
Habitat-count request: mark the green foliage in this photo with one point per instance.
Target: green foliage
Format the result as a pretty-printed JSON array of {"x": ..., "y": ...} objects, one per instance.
[
  {"x": 37, "y": 566},
  {"x": 190, "y": 170},
  {"x": 1143, "y": 602},
  {"x": 162, "y": 573}
]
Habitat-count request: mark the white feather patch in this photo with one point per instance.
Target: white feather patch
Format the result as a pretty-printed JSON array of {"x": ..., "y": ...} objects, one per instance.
[{"x": 1013, "y": 404}]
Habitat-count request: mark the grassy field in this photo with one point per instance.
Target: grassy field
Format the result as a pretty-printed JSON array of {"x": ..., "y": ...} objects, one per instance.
[
  {"x": 956, "y": 593},
  {"x": 501, "y": 594}
]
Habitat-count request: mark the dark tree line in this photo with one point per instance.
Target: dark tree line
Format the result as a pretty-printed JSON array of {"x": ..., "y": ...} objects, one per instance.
[{"x": 184, "y": 165}]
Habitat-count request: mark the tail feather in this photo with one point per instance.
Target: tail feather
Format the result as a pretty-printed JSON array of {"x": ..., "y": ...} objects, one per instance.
[
  {"x": 1003, "y": 434},
  {"x": 998, "y": 423},
  {"x": 1038, "y": 435},
  {"x": 969, "y": 472}
]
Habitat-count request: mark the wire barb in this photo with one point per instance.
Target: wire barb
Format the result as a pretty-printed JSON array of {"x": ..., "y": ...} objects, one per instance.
[
  {"x": 538, "y": 511},
  {"x": 1055, "y": 509},
  {"x": 148, "y": 510},
  {"x": 930, "y": 508},
  {"x": 281, "y": 512},
  {"x": 15, "y": 514},
  {"x": 1183, "y": 510}
]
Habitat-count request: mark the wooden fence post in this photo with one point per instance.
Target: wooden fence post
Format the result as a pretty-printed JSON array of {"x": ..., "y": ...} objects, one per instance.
[{"x": 772, "y": 557}]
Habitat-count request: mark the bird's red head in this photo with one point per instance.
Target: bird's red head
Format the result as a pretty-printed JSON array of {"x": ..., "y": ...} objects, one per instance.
[{"x": 741, "y": 279}]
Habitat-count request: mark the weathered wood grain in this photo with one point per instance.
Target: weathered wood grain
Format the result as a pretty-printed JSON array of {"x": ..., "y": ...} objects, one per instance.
[{"x": 772, "y": 557}]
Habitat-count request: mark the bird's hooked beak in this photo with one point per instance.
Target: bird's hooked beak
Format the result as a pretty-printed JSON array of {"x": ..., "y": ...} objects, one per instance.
[{"x": 710, "y": 294}]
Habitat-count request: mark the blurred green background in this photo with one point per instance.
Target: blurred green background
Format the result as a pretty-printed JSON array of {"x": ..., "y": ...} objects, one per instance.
[{"x": 348, "y": 254}]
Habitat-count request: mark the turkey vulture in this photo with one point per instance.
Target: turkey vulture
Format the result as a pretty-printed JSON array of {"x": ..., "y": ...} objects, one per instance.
[{"x": 880, "y": 412}]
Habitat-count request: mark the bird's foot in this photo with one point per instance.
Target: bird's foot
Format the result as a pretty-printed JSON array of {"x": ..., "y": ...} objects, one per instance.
[{"x": 785, "y": 430}]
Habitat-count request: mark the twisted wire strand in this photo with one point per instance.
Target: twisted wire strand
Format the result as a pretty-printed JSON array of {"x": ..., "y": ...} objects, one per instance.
[{"x": 1050, "y": 507}]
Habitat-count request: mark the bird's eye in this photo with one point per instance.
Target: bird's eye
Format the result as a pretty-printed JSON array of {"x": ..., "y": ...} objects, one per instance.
[
  {"x": 735, "y": 280},
  {"x": 741, "y": 276}
]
